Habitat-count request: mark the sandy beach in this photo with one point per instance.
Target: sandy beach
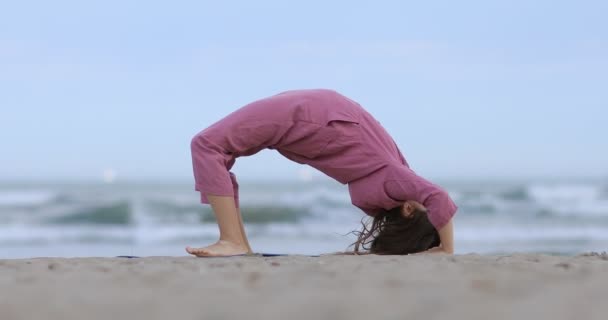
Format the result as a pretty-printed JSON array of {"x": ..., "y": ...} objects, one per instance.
[{"x": 519, "y": 286}]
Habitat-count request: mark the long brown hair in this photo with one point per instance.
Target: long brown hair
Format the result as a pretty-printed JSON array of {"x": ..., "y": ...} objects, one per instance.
[{"x": 392, "y": 233}]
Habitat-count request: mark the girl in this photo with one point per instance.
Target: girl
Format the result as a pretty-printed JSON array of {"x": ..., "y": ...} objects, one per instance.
[{"x": 335, "y": 135}]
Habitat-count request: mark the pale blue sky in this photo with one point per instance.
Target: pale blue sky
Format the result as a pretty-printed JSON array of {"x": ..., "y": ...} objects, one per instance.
[{"x": 468, "y": 89}]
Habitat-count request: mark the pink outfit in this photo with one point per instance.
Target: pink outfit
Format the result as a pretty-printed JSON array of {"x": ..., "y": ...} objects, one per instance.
[{"x": 327, "y": 131}]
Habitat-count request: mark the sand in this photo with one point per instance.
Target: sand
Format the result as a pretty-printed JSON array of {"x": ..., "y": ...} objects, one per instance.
[{"x": 519, "y": 286}]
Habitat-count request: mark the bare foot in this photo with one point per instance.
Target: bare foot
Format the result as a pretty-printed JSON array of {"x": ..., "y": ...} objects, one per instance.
[{"x": 221, "y": 248}]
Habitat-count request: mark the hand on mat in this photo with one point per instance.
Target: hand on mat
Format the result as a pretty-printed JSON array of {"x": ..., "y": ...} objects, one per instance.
[
  {"x": 345, "y": 253},
  {"x": 438, "y": 249}
]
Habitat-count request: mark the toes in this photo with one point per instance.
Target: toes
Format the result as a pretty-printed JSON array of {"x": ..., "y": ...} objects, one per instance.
[
  {"x": 198, "y": 251},
  {"x": 192, "y": 250}
]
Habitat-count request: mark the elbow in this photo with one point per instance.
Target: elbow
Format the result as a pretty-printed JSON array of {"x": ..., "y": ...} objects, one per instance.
[
  {"x": 450, "y": 207},
  {"x": 445, "y": 209}
]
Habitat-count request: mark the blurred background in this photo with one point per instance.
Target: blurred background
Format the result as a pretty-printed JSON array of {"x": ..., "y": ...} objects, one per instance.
[{"x": 503, "y": 103}]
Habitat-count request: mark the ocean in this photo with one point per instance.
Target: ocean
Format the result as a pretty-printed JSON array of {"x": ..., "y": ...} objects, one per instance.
[{"x": 160, "y": 219}]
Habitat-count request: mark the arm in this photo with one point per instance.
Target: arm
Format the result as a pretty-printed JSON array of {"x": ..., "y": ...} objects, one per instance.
[
  {"x": 446, "y": 234},
  {"x": 441, "y": 208}
]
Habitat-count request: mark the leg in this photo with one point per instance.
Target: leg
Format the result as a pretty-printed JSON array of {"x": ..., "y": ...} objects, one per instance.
[
  {"x": 233, "y": 240},
  {"x": 243, "y": 231}
]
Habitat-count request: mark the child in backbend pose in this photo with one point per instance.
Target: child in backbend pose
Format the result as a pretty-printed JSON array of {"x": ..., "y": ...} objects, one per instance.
[{"x": 334, "y": 134}]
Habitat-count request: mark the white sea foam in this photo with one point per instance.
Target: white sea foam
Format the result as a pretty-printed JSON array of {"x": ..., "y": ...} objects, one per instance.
[
  {"x": 510, "y": 217},
  {"x": 24, "y": 198},
  {"x": 563, "y": 193},
  {"x": 570, "y": 199}
]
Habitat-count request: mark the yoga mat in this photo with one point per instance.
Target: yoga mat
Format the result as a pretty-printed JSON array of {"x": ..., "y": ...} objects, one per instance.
[{"x": 243, "y": 255}]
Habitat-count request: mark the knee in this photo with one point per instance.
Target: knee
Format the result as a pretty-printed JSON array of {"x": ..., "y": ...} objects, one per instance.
[
  {"x": 194, "y": 142},
  {"x": 198, "y": 142}
]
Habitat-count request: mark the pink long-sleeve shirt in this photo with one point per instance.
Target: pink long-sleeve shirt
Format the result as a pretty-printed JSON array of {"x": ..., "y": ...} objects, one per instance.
[{"x": 327, "y": 131}]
